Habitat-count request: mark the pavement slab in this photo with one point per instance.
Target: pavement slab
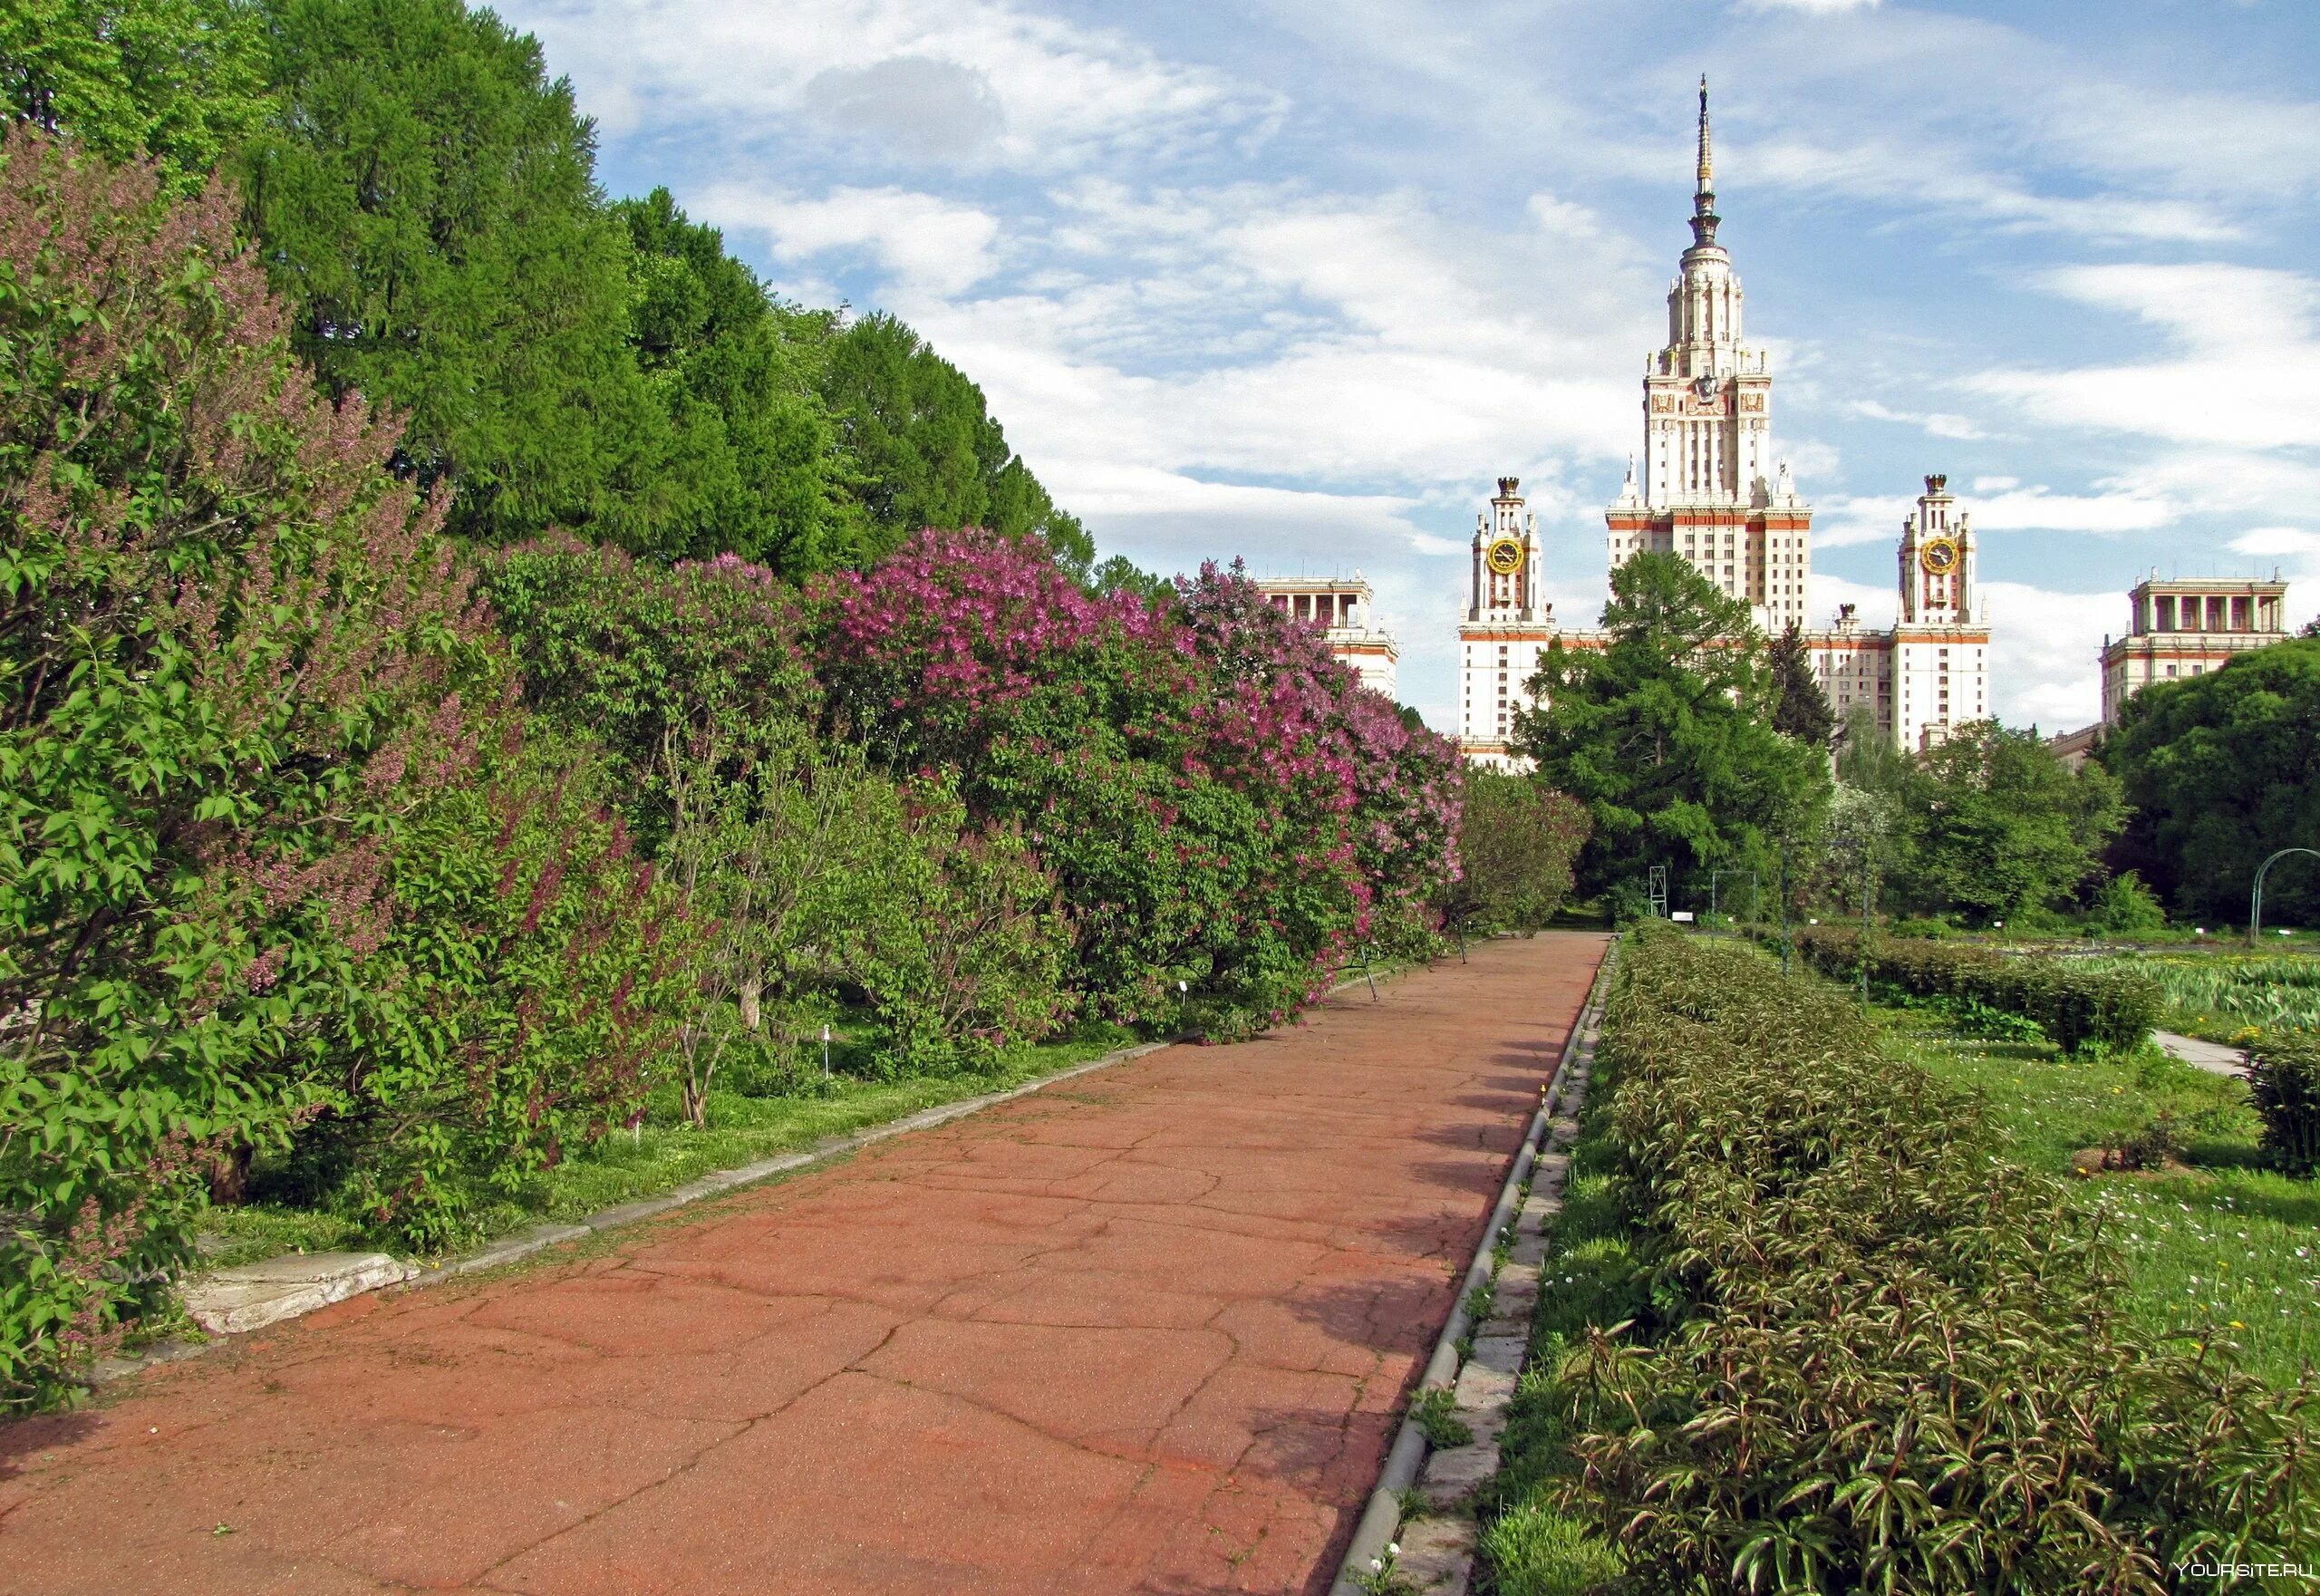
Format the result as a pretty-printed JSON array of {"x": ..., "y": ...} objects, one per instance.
[{"x": 1147, "y": 1330}]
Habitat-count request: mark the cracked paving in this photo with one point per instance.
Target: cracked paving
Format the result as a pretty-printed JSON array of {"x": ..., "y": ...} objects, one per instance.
[{"x": 1146, "y": 1332}]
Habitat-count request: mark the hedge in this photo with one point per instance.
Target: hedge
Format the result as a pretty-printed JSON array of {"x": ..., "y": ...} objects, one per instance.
[
  {"x": 1868, "y": 1352},
  {"x": 2107, "y": 1009}
]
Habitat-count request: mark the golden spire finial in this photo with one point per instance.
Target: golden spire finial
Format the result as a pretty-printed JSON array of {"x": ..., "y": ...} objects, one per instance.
[{"x": 1708, "y": 167}]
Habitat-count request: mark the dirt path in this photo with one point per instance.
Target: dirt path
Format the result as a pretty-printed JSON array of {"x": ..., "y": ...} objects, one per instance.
[{"x": 1141, "y": 1332}]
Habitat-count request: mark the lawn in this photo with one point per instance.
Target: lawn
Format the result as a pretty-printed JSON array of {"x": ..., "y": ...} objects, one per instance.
[
  {"x": 2219, "y": 1247},
  {"x": 664, "y": 1152}
]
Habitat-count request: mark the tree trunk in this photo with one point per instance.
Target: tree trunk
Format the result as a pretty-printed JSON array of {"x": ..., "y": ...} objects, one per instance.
[{"x": 752, "y": 1000}]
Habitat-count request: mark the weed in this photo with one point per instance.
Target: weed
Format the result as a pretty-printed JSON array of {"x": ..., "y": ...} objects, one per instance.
[{"x": 1436, "y": 1414}]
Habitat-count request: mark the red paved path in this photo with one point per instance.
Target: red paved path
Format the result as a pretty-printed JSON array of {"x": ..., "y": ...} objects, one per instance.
[{"x": 1141, "y": 1332}]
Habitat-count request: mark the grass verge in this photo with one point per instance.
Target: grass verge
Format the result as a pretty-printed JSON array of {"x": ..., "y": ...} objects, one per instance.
[{"x": 664, "y": 1152}]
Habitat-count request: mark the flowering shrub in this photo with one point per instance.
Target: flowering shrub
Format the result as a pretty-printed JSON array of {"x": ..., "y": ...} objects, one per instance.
[
  {"x": 708, "y": 655},
  {"x": 268, "y": 867},
  {"x": 1220, "y": 801}
]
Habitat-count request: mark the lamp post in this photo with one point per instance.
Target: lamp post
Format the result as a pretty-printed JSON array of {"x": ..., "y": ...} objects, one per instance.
[{"x": 2256, "y": 898}]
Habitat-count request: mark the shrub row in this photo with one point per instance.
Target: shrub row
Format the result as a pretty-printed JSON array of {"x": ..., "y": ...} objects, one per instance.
[
  {"x": 2075, "y": 1007},
  {"x": 1862, "y": 1351}
]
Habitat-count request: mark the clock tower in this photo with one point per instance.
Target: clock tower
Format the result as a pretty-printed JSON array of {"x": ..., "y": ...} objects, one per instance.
[{"x": 1937, "y": 560}]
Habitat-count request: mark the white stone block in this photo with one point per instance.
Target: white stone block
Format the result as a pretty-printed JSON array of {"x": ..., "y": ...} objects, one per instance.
[{"x": 232, "y": 1302}]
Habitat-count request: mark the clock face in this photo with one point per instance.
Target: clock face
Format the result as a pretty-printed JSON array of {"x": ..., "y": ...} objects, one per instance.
[
  {"x": 1506, "y": 556},
  {"x": 1938, "y": 557}
]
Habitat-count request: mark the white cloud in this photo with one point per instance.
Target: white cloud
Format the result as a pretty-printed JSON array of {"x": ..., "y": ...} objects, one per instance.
[
  {"x": 923, "y": 245},
  {"x": 1843, "y": 521},
  {"x": 1935, "y": 423},
  {"x": 2280, "y": 540},
  {"x": 1810, "y": 7},
  {"x": 2247, "y": 374},
  {"x": 959, "y": 81}
]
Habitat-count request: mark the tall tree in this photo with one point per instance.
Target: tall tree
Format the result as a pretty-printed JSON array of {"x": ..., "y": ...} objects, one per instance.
[
  {"x": 927, "y": 449},
  {"x": 428, "y": 200},
  {"x": 1799, "y": 708},
  {"x": 1666, "y": 734},
  {"x": 737, "y": 372},
  {"x": 178, "y": 80},
  {"x": 1996, "y": 826},
  {"x": 2219, "y": 772}
]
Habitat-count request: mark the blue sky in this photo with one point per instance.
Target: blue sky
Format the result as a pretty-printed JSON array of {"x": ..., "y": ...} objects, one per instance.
[{"x": 1296, "y": 280}]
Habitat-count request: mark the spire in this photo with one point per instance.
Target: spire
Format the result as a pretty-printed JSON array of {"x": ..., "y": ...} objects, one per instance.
[
  {"x": 1704, "y": 217},
  {"x": 1708, "y": 165}
]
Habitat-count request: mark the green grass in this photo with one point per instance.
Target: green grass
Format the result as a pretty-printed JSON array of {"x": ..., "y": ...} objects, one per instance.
[
  {"x": 664, "y": 1152},
  {"x": 2224, "y": 1250}
]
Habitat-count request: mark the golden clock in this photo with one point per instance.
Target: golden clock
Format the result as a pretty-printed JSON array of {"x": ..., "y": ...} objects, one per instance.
[
  {"x": 1940, "y": 557},
  {"x": 1505, "y": 555}
]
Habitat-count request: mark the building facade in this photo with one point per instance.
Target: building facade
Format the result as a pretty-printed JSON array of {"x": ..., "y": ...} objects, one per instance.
[
  {"x": 2187, "y": 627},
  {"x": 1711, "y": 493},
  {"x": 1342, "y": 606}
]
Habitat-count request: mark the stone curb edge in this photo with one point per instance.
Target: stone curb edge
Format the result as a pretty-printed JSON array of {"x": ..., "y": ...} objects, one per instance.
[
  {"x": 539, "y": 1237},
  {"x": 1381, "y": 1518}
]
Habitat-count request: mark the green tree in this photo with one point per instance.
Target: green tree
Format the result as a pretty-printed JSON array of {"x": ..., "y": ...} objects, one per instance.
[
  {"x": 428, "y": 201},
  {"x": 738, "y": 373},
  {"x": 1997, "y": 826},
  {"x": 2219, "y": 772},
  {"x": 1517, "y": 841},
  {"x": 178, "y": 81},
  {"x": 1665, "y": 734},
  {"x": 926, "y": 448},
  {"x": 1799, "y": 708},
  {"x": 1867, "y": 755}
]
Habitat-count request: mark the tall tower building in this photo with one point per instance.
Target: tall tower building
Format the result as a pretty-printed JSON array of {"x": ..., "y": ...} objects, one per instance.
[
  {"x": 1708, "y": 490},
  {"x": 1711, "y": 491},
  {"x": 1508, "y": 622}
]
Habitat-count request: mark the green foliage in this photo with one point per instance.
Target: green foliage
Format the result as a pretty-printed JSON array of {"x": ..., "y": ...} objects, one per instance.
[
  {"x": 2218, "y": 772},
  {"x": 1799, "y": 708},
  {"x": 225, "y": 645},
  {"x": 2284, "y": 1078},
  {"x": 1997, "y": 828},
  {"x": 1535, "y": 1551},
  {"x": 928, "y": 451},
  {"x": 2217, "y": 995},
  {"x": 1516, "y": 840},
  {"x": 2125, "y": 906},
  {"x": 1876, "y": 1355},
  {"x": 755, "y": 467},
  {"x": 519, "y": 1009},
  {"x": 707, "y": 656},
  {"x": 2075, "y": 1006},
  {"x": 179, "y": 82},
  {"x": 1666, "y": 734},
  {"x": 972, "y": 956}
]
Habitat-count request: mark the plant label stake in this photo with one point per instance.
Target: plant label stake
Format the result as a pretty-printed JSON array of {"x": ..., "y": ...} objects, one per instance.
[{"x": 825, "y": 1053}]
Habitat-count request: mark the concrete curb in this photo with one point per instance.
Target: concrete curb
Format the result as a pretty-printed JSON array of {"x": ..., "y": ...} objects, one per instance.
[{"x": 1381, "y": 1517}]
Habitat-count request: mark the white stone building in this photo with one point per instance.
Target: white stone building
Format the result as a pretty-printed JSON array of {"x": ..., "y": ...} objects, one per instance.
[
  {"x": 1711, "y": 493},
  {"x": 1342, "y": 606},
  {"x": 2188, "y": 627}
]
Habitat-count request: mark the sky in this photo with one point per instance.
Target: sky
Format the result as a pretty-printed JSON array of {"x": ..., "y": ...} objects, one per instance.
[{"x": 1295, "y": 280}]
